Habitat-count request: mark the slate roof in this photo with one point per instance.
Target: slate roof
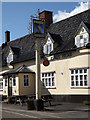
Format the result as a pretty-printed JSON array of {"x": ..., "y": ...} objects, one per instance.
[
  {"x": 66, "y": 29},
  {"x": 57, "y": 38},
  {"x": 21, "y": 69},
  {"x": 88, "y": 25},
  {"x": 15, "y": 50}
]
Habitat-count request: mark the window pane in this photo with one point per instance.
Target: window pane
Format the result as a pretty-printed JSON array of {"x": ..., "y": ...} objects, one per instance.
[
  {"x": 48, "y": 74},
  {"x": 46, "y": 82},
  {"x": 53, "y": 82},
  {"x": 77, "y": 83},
  {"x": 76, "y": 77},
  {"x": 81, "y": 83},
  {"x": 85, "y": 70},
  {"x": 76, "y": 71},
  {"x": 85, "y": 83},
  {"x": 5, "y": 81},
  {"x": 85, "y": 77},
  {"x": 43, "y": 82},
  {"x": 52, "y": 74},
  {"x": 72, "y": 83},
  {"x": 72, "y": 77},
  {"x": 1, "y": 85},
  {"x": 49, "y": 81},
  {"x": 26, "y": 80},
  {"x": 81, "y": 77},
  {"x": 81, "y": 36},
  {"x": 42, "y": 74},
  {"x": 45, "y": 74},
  {"x": 72, "y": 71},
  {"x": 80, "y": 71}
]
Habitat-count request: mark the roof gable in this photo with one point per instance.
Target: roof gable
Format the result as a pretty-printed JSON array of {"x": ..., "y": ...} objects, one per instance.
[
  {"x": 82, "y": 25},
  {"x": 21, "y": 69},
  {"x": 48, "y": 36}
]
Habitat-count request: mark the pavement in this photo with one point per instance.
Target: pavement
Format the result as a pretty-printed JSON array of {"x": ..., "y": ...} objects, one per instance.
[{"x": 65, "y": 111}]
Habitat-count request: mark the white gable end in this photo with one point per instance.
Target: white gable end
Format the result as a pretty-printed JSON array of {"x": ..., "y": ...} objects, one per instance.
[
  {"x": 82, "y": 37},
  {"x": 48, "y": 47}
]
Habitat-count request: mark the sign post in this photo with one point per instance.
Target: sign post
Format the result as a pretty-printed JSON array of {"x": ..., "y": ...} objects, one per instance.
[
  {"x": 38, "y": 78},
  {"x": 38, "y": 32}
]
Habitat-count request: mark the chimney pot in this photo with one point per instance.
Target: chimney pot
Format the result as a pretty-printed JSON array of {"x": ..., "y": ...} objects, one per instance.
[{"x": 7, "y": 36}]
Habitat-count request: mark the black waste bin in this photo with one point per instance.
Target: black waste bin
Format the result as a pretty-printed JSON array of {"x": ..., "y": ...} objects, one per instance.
[{"x": 39, "y": 106}]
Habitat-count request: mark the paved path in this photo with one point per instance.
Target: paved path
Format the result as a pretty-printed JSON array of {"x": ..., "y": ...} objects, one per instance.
[{"x": 55, "y": 111}]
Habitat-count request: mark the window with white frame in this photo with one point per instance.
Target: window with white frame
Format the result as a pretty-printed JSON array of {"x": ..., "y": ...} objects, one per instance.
[
  {"x": 48, "y": 48},
  {"x": 1, "y": 84},
  {"x": 82, "y": 40},
  {"x": 26, "y": 80},
  {"x": 48, "y": 80},
  {"x": 14, "y": 80},
  {"x": 6, "y": 81},
  {"x": 79, "y": 77},
  {"x": 10, "y": 58}
]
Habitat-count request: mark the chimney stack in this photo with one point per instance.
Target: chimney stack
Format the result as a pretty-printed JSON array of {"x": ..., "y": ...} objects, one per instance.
[
  {"x": 47, "y": 17},
  {"x": 7, "y": 36}
]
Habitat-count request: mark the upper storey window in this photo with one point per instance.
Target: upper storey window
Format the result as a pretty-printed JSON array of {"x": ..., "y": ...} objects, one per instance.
[
  {"x": 82, "y": 35},
  {"x": 48, "y": 48},
  {"x": 81, "y": 40},
  {"x": 10, "y": 57}
]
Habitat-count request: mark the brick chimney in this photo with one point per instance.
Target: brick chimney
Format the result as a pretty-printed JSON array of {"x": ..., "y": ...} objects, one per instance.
[
  {"x": 7, "y": 36},
  {"x": 47, "y": 17}
]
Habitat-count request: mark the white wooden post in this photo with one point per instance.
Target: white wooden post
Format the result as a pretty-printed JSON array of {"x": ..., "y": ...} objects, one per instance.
[{"x": 38, "y": 73}]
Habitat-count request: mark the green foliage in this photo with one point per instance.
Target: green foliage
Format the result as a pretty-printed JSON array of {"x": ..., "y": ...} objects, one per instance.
[{"x": 86, "y": 102}]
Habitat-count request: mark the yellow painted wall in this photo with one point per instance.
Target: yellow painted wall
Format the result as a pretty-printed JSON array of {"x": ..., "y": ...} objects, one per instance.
[
  {"x": 62, "y": 82},
  {"x": 26, "y": 90}
]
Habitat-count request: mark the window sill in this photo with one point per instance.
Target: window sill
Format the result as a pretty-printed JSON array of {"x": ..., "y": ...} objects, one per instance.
[
  {"x": 49, "y": 87},
  {"x": 14, "y": 86},
  {"x": 79, "y": 87},
  {"x": 6, "y": 87},
  {"x": 26, "y": 86}
]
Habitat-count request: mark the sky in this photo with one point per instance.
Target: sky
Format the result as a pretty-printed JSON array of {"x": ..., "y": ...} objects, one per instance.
[{"x": 16, "y": 15}]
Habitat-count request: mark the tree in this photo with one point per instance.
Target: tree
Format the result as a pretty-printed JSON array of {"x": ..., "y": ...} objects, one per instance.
[{"x": 36, "y": 16}]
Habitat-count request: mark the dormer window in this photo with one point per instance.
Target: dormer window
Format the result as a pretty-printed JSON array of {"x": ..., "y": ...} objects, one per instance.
[
  {"x": 48, "y": 48},
  {"x": 10, "y": 58},
  {"x": 82, "y": 40},
  {"x": 82, "y": 35},
  {"x": 13, "y": 53}
]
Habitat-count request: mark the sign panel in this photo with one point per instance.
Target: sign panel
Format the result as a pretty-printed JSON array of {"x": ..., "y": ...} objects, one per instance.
[
  {"x": 46, "y": 63},
  {"x": 38, "y": 28}
]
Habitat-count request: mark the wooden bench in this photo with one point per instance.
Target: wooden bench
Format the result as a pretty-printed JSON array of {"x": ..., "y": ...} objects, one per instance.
[
  {"x": 20, "y": 99},
  {"x": 47, "y": 98}
]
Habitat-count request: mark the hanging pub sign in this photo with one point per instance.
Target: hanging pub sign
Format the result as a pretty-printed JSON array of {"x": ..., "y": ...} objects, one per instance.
[{"x": 38, "y": 28}]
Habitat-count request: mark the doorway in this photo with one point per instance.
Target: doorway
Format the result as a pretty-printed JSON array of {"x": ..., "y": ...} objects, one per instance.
[{"x": 10, "y": 86}]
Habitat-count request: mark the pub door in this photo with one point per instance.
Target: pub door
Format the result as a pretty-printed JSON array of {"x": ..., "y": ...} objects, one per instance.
[{"x": 10, "y": 86}]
